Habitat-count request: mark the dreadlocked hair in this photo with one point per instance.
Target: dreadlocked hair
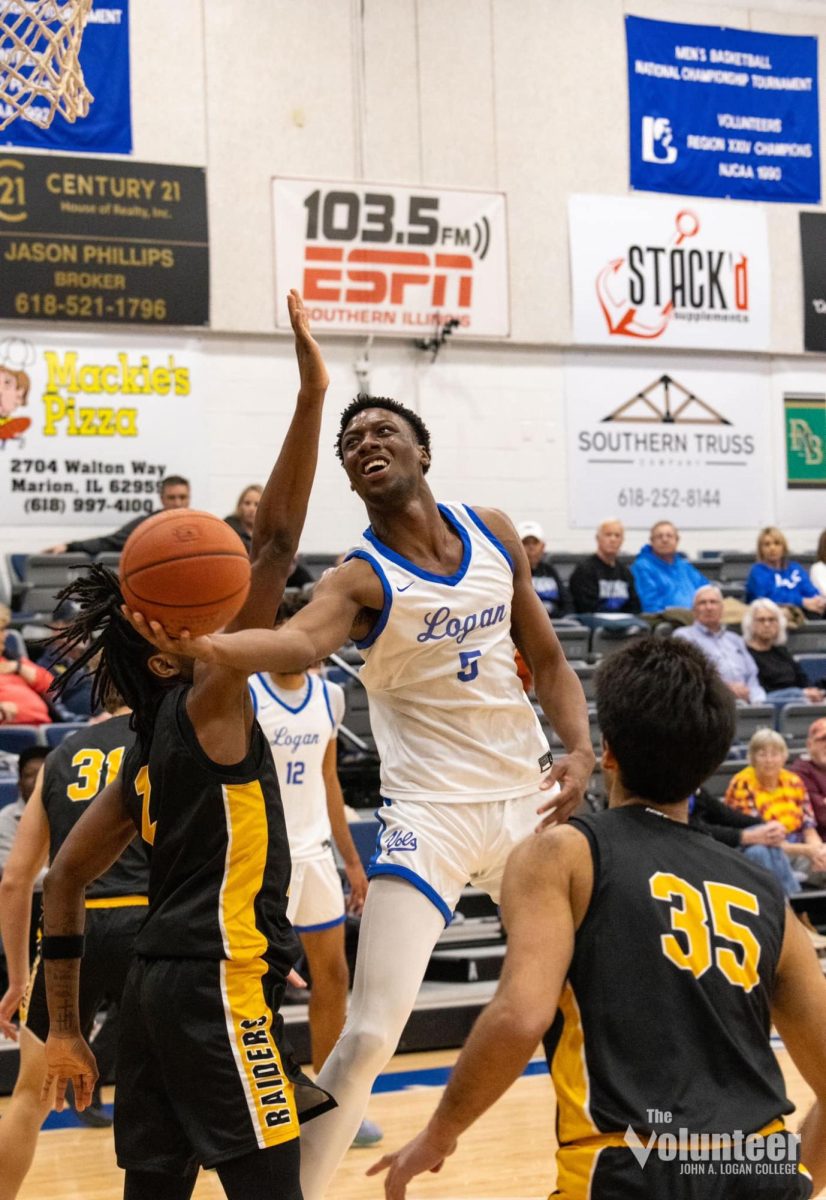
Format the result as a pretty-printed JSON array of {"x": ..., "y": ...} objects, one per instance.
[{"x": 102, "y": 631}]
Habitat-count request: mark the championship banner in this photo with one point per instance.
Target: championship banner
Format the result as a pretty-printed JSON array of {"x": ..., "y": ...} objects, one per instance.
[
  {"x": 105, "y": 242},
  {"x": 676, "y": 273},
  {"x": 58, "y": 51},
  {"x": 659, "y": 440},
  {"x": 813, "y": 254},
  {"x": 723, "y": 112},
  {"x": 88, "y": 428},
  {"x": 394, "y": 260}
]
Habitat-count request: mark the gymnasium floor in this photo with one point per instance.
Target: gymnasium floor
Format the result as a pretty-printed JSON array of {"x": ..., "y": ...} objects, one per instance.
[{"x": 507, "y": 1155}]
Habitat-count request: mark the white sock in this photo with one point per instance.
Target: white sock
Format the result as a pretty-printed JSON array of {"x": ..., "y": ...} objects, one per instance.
[{"x": 399, "y": 928}]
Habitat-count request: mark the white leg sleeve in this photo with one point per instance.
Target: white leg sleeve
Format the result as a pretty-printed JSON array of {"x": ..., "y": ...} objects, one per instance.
[{"x": 399, "y": 929}]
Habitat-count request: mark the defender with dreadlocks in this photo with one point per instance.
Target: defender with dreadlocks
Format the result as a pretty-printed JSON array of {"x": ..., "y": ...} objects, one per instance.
[
  {"x": 203, "y": 1077},
  {"x": 435, "y": 597}
]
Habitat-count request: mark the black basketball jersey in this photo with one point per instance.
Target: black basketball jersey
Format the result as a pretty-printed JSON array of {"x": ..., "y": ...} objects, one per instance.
[
  {"x": 81, "y": 766},
  {"x": 220, "y": 860},
  {"x": 664, "y": 1019}
]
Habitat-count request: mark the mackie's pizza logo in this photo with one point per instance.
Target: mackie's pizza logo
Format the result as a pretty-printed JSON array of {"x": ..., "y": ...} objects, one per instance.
[{"x": 651, "y": 284}]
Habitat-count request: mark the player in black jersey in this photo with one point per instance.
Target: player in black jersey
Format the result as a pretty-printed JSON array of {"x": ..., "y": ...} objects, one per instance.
[
  {"x": 203, "y": 1076},
  {"x": 658, "y": 958},
  {"x": 71, "y": 777}
]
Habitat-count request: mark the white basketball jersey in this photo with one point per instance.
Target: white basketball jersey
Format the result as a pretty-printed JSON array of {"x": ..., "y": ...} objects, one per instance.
[
  {"x": 447, "y": 709},
  {"x": 299, "y": 725}
]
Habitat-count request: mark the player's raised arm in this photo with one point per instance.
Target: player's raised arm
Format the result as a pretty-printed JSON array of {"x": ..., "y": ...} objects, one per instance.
[{"x": 282, "y": 510}]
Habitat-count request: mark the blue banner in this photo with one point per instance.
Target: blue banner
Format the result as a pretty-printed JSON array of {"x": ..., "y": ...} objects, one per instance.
[
  {"x": 723, "y": 112},
  {"x": 104, "y": 62}
]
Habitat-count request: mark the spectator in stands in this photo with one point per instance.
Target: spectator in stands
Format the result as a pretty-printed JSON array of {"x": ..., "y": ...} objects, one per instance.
[
  {"x": 726, "y": 650},
  {"x": 777, "y": 577},
  {"x": 28, "y": 764},
  {"x": 818, "y": 571},
  {"x": 243, "y": 519},
  {"x": 766, "y": 790},
  {"x": 784, "y": 680},
  {"x": 602, "y": 589},
  {"x": 174, "y": 493},
  {"x": 23, "y": 686},
  {"x": 546, "y": 581},
  {"x": 730, "y": 826},
  {"x": 811, "y": 768},
  {"x": 665, "y": 578}
]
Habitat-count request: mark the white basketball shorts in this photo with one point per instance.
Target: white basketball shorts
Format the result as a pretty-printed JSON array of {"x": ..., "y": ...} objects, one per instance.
[{"x": 316, "y": 901}]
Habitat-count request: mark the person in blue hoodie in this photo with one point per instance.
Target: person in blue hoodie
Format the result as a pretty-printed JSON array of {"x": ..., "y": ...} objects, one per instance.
[
  {"x": 777, "y": 577},
  {"x": 665, "y": 578}
]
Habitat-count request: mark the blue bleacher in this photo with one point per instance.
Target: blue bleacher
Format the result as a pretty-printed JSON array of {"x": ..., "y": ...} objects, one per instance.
[
  {"x": 14, "y": 738},
  {"x": 56, "y": 733},
  {"x": 8, "y": 792}
]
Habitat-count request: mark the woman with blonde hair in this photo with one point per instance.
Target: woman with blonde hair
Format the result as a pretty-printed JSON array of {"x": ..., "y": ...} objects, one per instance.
[
  {"x": 777, "y": 577},
  {"x": 765, "y": 789},
  {"x": 243, "y": 519},
  {"x": 782, "y": 678}
]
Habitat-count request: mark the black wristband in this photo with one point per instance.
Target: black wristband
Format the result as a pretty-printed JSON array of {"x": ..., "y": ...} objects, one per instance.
[{"x": 62, "y": 947}]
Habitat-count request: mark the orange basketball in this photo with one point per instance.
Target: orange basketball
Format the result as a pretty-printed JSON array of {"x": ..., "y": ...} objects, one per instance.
[{"x": 186, "y": 569}]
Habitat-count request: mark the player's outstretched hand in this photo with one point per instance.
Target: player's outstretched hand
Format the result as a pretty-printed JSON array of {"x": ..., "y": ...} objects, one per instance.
[
  {"x": 424, "y": 1153},
  {"x": 69, "y": 1058},
  {"x": 201, "y": 648},
  {"x": 311, "y": 368},
  {"x": 571, "y": 773},
  {"x": 8, "y": 1007}
]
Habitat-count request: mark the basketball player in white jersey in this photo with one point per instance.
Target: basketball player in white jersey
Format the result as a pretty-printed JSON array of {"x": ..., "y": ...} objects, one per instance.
[
  {"x": 300, "y": 714},
  {"x": 435, "y": 597}
]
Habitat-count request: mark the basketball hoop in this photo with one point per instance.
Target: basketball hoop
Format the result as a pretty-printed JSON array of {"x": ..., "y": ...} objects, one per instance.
[{"x": 39, "y": 48}]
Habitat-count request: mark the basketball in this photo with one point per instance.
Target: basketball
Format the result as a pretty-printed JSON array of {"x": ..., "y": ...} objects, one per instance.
[{"x": 185, "y": 569}]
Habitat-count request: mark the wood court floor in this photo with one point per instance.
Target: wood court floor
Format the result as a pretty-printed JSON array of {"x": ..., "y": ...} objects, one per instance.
[{"x": 507, "y": 1155}]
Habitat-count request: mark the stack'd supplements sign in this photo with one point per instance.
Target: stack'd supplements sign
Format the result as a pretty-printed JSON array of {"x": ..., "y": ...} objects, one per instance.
[
  {"x": 661, "y": 439},
  {"x": 404, "y": 261},
  {"x": 89, "y": 428},
  {"x": 677, "y": 273},
  {"x": 723, "y": 112}
]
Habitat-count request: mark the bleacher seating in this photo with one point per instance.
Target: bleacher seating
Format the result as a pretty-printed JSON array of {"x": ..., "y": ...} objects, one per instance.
[
  {"x": 815, "y": 667},
  {"x": 565, "y": 563},
  {"x": 54, "y": 570},
  {"x": 717, "y": 783},
  {"x": 751, "y": 717},
  {"x": 574, "y": 640},
  {"x": 604, "y": 643},
  {"x": 585, "y": 673},
  {"x": 317, "y": 563},
  {"x": 808, "y": 639},
  {"x": 14, "y": 643},
  {"x": 14, "y": 738},
  {"x": 795, "y": 720},
  {"x": 56, "y": 733},
  {"x": 8, "y": 792},
  {"x": 735, "y": 566}
]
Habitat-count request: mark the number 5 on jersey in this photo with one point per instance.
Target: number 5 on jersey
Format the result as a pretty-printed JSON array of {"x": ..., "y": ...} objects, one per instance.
[{"x": 470, "y": 667}]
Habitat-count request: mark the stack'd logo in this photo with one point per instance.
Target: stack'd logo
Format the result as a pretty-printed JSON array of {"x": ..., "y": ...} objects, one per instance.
[
  {"x": 773, "y": 1153},
  {"x": 654, "y": 281}
]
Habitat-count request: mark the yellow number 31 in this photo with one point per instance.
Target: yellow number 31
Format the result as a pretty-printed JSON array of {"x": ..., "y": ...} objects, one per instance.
[{"x": 691, "y": 919}]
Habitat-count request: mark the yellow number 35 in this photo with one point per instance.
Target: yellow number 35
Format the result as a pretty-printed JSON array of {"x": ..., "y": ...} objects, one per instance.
[{"x": 691, "y": 918}]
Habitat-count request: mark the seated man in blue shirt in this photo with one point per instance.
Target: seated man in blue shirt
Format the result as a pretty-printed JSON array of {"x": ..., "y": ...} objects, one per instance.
[
  {"x": 726, "y": 650},
  {"x": 664, "y": 577}
]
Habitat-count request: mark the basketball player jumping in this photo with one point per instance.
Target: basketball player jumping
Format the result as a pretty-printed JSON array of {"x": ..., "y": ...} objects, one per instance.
[
  {"x": 203, "y": 1077},
  {"x": 71, "y": 777},
  {"x": 435, "y": 598},
  {"x": 656, "y": 958}
]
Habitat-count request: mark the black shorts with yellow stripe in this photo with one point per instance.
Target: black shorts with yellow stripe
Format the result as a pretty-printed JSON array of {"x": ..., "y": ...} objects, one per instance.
[
  {"x": 204, "y": 1071},
  {"x": 596, "y": 1171},
  {"x": 111, "y": 928}
]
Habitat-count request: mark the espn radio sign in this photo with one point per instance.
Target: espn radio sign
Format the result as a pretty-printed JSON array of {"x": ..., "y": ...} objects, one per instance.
[{"x": 392, "y": 260}]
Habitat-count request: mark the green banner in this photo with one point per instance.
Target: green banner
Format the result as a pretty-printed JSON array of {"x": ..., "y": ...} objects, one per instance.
[{"x": 805, "y": 416}]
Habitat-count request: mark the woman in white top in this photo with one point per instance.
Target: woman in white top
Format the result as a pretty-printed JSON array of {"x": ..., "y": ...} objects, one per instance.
[{"x": 818, "y": 571}]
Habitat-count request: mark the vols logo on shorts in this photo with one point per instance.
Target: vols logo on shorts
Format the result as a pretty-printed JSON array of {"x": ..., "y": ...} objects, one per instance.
[{"x": 401, "y": 841}]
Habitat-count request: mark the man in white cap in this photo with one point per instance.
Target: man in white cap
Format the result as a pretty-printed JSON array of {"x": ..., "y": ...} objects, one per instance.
[{"x": 546, "y": 581}]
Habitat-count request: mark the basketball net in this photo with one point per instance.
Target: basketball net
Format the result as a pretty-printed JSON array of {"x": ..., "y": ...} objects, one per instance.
[{"x": 39, "y": 48}]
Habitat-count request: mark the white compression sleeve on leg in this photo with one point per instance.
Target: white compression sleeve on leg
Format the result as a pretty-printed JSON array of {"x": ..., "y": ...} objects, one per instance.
[{"x": 399, "y": 929}]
